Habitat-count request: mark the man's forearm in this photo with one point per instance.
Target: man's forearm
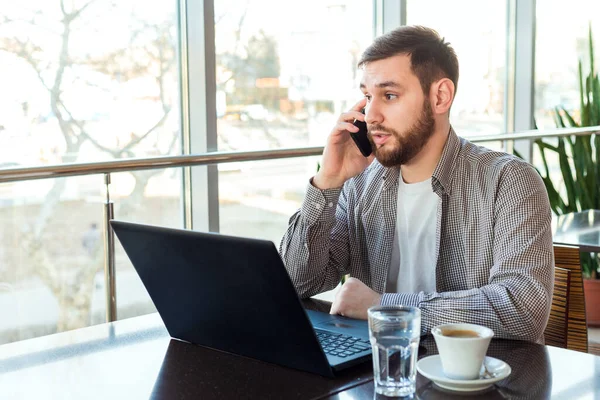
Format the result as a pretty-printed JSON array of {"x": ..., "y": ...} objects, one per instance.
[
  {"x": 305, "y": 247},
  {"x": 494, "y": 306}
]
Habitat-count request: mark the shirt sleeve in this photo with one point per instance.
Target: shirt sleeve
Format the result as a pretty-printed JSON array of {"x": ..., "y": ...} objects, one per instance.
[
  {"x": 516, "y": 301},
  {"x": 314, "y": 248}
]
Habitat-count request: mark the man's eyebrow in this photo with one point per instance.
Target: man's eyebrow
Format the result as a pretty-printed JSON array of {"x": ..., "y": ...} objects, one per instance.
[{"x": 386, "y": 84}]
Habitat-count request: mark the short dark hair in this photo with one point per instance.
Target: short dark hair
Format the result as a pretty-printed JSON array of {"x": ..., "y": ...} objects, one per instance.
[{"x": 431, "y": 57}]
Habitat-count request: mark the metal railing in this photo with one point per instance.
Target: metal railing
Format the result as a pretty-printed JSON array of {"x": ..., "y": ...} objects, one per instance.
[{"x": 135, "y": 164}]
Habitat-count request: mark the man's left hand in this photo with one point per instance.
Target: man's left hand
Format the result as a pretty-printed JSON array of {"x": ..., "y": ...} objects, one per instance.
[{"x": 354, "y": 299}]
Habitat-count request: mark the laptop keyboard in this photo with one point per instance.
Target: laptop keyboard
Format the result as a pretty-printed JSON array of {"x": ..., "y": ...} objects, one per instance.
[{"x": 340, "y": 345}]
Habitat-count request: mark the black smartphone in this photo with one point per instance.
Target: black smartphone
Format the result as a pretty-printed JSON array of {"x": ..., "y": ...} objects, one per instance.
[{"x": 360, "y": 137}]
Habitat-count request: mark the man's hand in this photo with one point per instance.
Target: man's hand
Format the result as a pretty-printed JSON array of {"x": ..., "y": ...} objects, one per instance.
[
  {"x": 354, "y": 299},
  {"x": 341, "y": 159}
]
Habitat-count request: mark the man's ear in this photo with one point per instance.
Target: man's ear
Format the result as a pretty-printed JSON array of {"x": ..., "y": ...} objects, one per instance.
[{"x": 441, "y": 95}]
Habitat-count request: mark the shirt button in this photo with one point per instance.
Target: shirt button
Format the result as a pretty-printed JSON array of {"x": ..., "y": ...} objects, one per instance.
[
  {"x": 317, "y": 206},
  {"x": 306, "y": 245},
  {"x": 330, "y": 204}
]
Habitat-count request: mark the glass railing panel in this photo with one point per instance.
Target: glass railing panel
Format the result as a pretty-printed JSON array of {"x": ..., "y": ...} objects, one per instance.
[
  {"x": 51, "y": 258},
  {"x": 148, "y": 197},
  {"x": 257, "y": 198},
  {"x": 52, "y": 248}
]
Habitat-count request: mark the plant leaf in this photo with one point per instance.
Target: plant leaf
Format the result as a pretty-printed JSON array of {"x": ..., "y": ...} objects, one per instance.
[
  {"x": 546, "y": 146},
  {"x": 569, "y": 118},
  {"x": 585, "y": 121},
  {"x": 591, "y": 48},
  {"x": 558, "y": 118},
  {"x": 567, "y": 175},
  {"x": 596, "y": 101},
  {"x": 556, "y": 202},
  {"x": 578, "y": 156}
]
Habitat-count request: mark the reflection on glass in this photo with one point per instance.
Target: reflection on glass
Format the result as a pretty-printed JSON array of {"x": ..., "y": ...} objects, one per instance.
[
  {"x": 281, "y": 82},
  {"x": 477, "y": 32},
  {"x": 82, "y": 81}
]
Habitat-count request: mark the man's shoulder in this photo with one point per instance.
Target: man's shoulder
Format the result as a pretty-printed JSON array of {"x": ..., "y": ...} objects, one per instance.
[{"x": 480, "y": 158}]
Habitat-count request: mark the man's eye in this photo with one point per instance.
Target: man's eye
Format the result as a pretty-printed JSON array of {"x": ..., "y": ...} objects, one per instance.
[
  {"x": 368, "y": 97},
  {"x": 390, "y": 96}
]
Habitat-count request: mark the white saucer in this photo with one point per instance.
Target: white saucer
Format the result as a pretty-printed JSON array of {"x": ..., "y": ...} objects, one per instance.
[{"x": 431, "y": 368}]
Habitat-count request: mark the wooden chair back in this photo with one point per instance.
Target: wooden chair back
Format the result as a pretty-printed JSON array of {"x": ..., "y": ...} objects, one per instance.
[
  {"x": 567, "y": 257},
  {"x": 556, "y": 330}
]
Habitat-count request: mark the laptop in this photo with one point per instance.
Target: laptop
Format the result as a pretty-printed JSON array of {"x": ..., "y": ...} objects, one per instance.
[{"x": 234, "y": 294}]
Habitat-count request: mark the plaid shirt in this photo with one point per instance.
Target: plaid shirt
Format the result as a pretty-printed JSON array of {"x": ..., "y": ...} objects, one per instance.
[{"x": 495, "y": 263}]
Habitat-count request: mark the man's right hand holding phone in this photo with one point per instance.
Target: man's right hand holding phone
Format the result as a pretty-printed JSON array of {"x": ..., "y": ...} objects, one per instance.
[{"x": 341, "y": 159}]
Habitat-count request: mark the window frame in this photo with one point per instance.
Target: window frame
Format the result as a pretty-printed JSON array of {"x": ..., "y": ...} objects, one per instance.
[{"x": 199, "y": 117}]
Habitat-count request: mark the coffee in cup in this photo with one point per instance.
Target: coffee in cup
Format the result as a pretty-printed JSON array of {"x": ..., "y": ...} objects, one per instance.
[
  {"x": 460, "y": 333},
  {"x": 462, "y": 348}
]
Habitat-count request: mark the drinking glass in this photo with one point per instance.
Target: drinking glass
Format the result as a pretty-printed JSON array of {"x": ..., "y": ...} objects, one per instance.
[{"x": 394, "y": 332}]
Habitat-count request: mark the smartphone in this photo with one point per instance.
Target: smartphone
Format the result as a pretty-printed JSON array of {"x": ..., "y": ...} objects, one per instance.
[{"x": 360, "y": 137}]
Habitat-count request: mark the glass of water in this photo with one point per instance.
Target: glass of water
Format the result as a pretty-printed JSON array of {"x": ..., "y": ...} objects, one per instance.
[{"x": 394, "y": 332}]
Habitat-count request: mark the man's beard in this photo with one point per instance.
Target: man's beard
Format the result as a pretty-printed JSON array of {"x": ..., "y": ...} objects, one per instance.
[{"x": 409, "y": 144}]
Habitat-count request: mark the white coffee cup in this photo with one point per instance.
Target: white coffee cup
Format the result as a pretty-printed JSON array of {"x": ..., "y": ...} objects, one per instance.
[{"x": 462, "y": 349}]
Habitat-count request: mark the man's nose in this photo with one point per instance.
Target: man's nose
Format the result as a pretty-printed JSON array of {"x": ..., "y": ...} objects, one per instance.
[{"x": 373, "y": 114}]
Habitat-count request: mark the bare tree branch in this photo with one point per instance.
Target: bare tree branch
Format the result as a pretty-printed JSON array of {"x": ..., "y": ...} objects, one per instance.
[
  {"x": 75, "y": 14},
  {"x": 173, "y": 141},
  {"x": 150, "y": 54},
  {"x": 238, "y": 32},
  {"x": 24, "y": 51},
  {"x": 138, "y": 139},
  {"x": 32, "y": 22}
]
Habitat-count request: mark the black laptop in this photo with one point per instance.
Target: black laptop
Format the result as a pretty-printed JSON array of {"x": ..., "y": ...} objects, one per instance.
[{"x": 234, "y": 294}]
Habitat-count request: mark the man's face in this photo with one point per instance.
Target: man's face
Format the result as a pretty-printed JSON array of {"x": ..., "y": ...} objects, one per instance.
[{"x": 398, "y": 114}]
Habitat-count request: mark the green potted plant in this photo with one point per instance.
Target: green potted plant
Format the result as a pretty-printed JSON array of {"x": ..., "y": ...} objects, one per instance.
[{"x": 579, "y": 162}]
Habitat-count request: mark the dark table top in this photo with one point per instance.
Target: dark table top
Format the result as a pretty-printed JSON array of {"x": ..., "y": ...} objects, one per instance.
[
  {"x": 578, "y": 229},
  {"x": 538, "y": 372},
  {"x": 136, "y": 359}
]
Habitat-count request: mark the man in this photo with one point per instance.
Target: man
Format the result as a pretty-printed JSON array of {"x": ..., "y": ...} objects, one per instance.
[
  {"x": 433, "y": 221},
  {"x": 91, "y": 240}
]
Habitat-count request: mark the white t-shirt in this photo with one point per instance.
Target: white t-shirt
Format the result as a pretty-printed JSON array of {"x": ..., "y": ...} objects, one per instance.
[{"x": 412, "y": 268}]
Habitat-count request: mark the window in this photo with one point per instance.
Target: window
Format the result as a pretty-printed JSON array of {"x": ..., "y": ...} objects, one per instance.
[
  {"x": 91, "y": 81},
  {"x": 557, "y": 53},
  {"x": 477, "y": 32},
  {"x": 282, "y": 81}
]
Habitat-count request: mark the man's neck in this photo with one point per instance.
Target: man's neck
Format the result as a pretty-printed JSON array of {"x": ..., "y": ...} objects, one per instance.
[{"x": 421, "y": 167}]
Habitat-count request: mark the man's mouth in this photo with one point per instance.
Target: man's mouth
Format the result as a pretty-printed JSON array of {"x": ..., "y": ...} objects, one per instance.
[{"x": 380, "y": 138}]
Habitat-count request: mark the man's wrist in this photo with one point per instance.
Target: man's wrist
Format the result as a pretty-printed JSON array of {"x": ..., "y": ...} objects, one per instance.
[
  {"x": 405, "y": 299},
  {"x": 323, "y": 183}
]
